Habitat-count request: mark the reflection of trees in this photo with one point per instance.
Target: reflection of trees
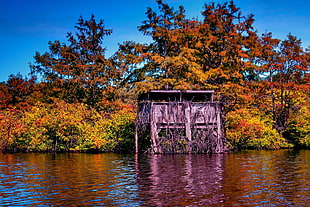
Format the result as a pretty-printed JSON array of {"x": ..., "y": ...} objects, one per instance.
[
  {"x": 292, "y": 169},
  {"x": 255, "y": 178},
  {"x": 267, "y": 178},
  {"x": 180, "y": 180},
  {"x": 67, "y": 179}
]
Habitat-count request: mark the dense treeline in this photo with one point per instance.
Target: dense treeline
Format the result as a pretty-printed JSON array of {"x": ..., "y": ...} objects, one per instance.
[{"x": 85, "y": 101}]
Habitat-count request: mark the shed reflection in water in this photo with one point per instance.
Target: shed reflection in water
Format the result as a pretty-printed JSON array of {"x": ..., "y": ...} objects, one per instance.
[{"x": 175, "y": 180}]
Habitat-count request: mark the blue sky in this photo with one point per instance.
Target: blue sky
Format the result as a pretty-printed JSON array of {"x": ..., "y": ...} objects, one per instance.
[{"x": 26, "y": 26}]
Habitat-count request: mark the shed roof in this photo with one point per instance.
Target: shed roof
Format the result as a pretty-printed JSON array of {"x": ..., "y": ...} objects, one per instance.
[{"x": 178, "y": 95}]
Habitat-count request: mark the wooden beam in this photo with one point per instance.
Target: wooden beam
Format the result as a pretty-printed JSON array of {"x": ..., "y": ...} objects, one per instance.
[{"x": 188, "y": 122}]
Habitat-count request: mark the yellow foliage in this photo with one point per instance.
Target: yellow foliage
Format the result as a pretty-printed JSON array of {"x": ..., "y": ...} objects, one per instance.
[
  {"x": 251, "y": 129},
  {"x": 63, "y": 127}
]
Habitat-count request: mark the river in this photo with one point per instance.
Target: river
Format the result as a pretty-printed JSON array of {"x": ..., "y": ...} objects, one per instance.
[{"x": 247, "y": 178}]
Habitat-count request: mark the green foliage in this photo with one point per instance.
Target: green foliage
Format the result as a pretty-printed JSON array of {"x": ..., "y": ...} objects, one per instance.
[{"x": 251, "y": 129}]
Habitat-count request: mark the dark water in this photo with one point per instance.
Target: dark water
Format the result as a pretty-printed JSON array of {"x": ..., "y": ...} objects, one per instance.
[{"x": 253, "y": 178}]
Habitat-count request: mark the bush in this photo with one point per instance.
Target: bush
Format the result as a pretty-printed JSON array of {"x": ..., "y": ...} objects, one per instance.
[
  {"x": 250, "y": 129},
  {"x": 298, "y": 128},
  {"x": 66, "y": 127}
]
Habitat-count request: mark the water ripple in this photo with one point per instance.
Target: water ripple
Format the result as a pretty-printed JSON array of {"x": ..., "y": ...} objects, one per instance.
[{"x": 254, "y": 178}]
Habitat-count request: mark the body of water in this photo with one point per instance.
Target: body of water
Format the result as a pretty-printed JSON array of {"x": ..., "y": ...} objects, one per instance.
[{"x": 249, "y": 178}]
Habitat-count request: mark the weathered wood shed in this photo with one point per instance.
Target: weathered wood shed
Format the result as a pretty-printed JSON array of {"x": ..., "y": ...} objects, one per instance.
[{"x": 180, "y": 121}]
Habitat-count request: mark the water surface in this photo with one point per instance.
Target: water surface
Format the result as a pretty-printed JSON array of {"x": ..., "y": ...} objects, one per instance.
[{"x": 250, "y": 178}]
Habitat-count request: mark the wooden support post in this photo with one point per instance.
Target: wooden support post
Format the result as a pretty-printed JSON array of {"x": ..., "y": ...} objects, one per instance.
[
  {"x": 219, "y": 130},
  {"x": 154, "y": 134},
  {"x": 188, "y": 131}
]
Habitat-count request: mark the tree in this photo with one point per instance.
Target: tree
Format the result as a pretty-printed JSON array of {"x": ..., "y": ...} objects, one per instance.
[
  {"x": 79, "y": 70},
  {"x": 228, "y": 37},
  {"x": 227, "y": 47},
  {"x": 17, "y": 91},
  {"x": 286, "y": 71},
  {"x": 192, "y": 54},
  {"x": 5, "y": 96},
  {"x": 165, "y": 61}
]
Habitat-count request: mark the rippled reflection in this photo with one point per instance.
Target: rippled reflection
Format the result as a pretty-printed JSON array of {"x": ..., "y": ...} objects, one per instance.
[
  {"x": 67, "y": 179},
  {"x": 268, "y": 178},
  {"x": 253, "y": 178},
  {"x": 175, "y": 180}
]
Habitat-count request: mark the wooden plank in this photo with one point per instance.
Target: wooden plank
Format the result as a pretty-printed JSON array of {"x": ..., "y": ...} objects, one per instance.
[
  {"x": 188, "y": 131},
  {"x": 153, "y": 128}
]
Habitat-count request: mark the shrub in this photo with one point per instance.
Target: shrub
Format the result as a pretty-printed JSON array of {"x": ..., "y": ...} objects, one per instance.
[
  {"x": 298, "y": 128},
  {"x": 66, "y": 127},
  {"x": 250, "y": 129}
]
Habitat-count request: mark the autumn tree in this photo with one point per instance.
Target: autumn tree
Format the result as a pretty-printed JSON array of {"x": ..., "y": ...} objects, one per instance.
[
  {"x": 165, "y": 61},
  {"x": 226, "y": 50},
  {"x": 169, "y": 60},
  {"x": 5, "y": 96},
  {"x": 227, "y": 39},
  {"x": 192, "y": 54},
  {"x": 16, "y": 91},
  {"x": 285, "y": 73},
  {"x": 79, "y": 71}
]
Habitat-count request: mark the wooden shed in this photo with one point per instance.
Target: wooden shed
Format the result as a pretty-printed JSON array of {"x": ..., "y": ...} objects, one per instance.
[{"x": 180, "y": 121}]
